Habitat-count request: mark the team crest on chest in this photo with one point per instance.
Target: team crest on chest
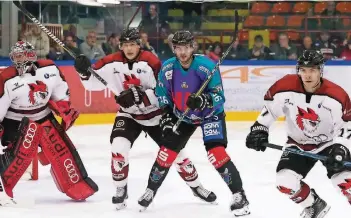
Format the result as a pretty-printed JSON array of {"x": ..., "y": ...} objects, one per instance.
[
  {"x": 307, "y": 120},
  {"x": 37, "y": 91}
]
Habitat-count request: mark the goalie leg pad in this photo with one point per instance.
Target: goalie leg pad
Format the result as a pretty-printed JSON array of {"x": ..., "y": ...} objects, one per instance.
[
  {"x": 67, "y": 168},
  {"x": 18, "y": 159}
]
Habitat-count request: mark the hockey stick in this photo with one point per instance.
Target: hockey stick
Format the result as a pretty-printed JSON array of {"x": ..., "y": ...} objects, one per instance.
[
  {"x": 58, "y": 41},
  {"x": 303, "y": 153},
  {"x": 204, "y": 85}
]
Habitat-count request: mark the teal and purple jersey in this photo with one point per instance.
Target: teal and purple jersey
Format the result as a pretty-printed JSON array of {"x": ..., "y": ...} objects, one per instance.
[{"x": 176, "y": 84}]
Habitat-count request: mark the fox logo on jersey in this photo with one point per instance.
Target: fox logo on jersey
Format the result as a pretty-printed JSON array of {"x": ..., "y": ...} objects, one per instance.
[
  {"x": 38, "y": 90},
  {"x": 307, "y": 120}
]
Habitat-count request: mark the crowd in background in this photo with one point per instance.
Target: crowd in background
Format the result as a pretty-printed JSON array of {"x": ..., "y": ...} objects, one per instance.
[{"x": 156, "y": 35}]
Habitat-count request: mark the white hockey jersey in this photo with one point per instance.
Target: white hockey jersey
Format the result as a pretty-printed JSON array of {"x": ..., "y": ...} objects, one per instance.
[
  {"x": 314, "y": 121},
  {"x": 28, "y": 94},
  {"x": 115, "y": 69}
]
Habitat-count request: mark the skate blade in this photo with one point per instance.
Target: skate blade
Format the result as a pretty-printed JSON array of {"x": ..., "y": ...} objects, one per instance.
[
  {"x": 242, "y": 212},
  {"x": 142, "y": 209},
  {"x": 324, "y": 212},
  {"x": 121, "y": 206},
  {"x": 215, "y": 202}
]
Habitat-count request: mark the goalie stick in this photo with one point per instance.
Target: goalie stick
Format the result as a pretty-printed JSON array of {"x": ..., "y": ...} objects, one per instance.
[
  {"x": 58, "y": 41},
  {"x": 203, "y": 86}
]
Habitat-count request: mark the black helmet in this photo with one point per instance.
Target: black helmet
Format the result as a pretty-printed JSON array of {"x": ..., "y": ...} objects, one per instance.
[
  {"x": 130, "y": 34},
  {"x": 310, "y": 58},
  {"x": 182, "y": 37}
]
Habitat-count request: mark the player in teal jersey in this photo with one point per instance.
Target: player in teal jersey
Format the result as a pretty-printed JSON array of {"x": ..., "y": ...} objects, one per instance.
[{"x": 179, "y": 78}]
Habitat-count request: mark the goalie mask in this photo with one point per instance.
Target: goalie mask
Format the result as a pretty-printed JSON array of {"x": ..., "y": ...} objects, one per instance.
[{"x": 23, "y": 56}]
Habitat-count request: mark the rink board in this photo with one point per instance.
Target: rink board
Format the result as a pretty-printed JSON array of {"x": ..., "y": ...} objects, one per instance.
[{"x": 244, "y": 82}]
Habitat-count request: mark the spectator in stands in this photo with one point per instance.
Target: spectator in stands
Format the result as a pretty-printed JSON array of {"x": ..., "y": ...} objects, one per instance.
[
  {"x": 55, "y": 53},
  {"x": 215, "y": 51},
  {"x": 154, "y": 26},
  {"x": 238, "y": 52},
  {"x": 145, "y": 45},
  {"x": 346, "y": 53},
  {"x": 284, "y": 50},
  {"x": 112, "y": 44},
  {"x": 72, "y": 31},
  {"x": 188, "y": 8},
  {"x": 326, "y": 46},
  {"x": 90, "y": 49},
  {"x": 196, "y": 48},
  {"x": 167, "y": 49},
  {"x": 259, "y": 51},
  {"x": 306, "y": 44},
  {"x": 72, "y": 45},
  {"x": 39, "y": 40}
]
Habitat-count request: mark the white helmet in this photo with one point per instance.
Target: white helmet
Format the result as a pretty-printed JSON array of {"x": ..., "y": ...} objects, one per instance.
[{"x": 23, "y": 55}]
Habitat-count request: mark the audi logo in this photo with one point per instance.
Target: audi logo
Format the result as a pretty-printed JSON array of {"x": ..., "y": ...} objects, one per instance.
[
  {"x": 28, "y": 138},
  {"x": 71, "y": 171}
]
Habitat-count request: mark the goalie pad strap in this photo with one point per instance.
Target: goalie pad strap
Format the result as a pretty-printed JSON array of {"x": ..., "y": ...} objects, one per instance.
[
  {"x": 18, "y": 159},
  {"x": 67, "y": 168}
]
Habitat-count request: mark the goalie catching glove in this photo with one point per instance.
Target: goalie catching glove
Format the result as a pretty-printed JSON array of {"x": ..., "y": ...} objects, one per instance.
[{"x": 64, "y": 110}]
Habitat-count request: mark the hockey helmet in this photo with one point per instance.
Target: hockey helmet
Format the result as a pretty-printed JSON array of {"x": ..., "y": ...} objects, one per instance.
[
  {"x": 183, "y": 37},
  {"x": 130, "y": 35},
  {"x": 23, "y": 56},
  {"x": 310, "y": 58}
]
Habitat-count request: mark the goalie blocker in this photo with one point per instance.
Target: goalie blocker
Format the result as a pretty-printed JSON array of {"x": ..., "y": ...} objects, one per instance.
[{"x": 57, "y": 149}]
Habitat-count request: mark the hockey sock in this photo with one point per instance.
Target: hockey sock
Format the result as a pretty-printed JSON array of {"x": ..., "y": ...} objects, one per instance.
[
  {"x": 159, "y": 171},
  {"x": 219, "y": 158},
  {"x": 303, "y": 196},
  {"x": 188, "y": 172}
]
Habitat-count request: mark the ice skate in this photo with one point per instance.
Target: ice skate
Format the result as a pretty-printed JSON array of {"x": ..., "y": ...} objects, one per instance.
[
  {"x": 204, "y": 194},
  {"x": 318, "y": 209},
  {"x": 240, "y": 205},
  {"x": 146, "y": 199},
  {"x": 120, "y": 198}
]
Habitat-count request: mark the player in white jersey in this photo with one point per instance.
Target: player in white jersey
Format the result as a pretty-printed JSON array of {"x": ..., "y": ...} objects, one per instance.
[
  {"x": 133, "y": 73},
  {"x": 318, "y": 113},
  {"x": 30, "y": 91}
]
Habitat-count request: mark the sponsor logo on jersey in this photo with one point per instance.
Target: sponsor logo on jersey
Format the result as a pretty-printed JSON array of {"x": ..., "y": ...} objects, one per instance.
[
  {"x": 141, "y": 71},
  {"x": 167, "y": 67},
  {"x": 205, "y": 70},
  {"x": 184, "y": 85},
  {"x": 115, "y": 71},
  {"x": 307, "y": 121},
  {"x": 38, "y": 91},
  {"x": 169, "y": 74},
  {"x": 17, "y": 86},
  {"x": 47, "y": 76}
]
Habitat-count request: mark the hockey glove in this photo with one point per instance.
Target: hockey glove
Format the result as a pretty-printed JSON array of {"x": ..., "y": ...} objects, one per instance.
[
  {"x": 64, "y": 110},
  {"x": 168, "y": 120},
  {"x": 257, "y": 136},
  {"x": 81, "y": 64},
  {"x": 337, "y": 155},
  {"x": 130, "y": 97},
  {"x": 200, "y": 102}
]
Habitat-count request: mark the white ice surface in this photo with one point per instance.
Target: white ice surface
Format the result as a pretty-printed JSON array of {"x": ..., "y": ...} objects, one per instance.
[{"x": 174, "y": 199}]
